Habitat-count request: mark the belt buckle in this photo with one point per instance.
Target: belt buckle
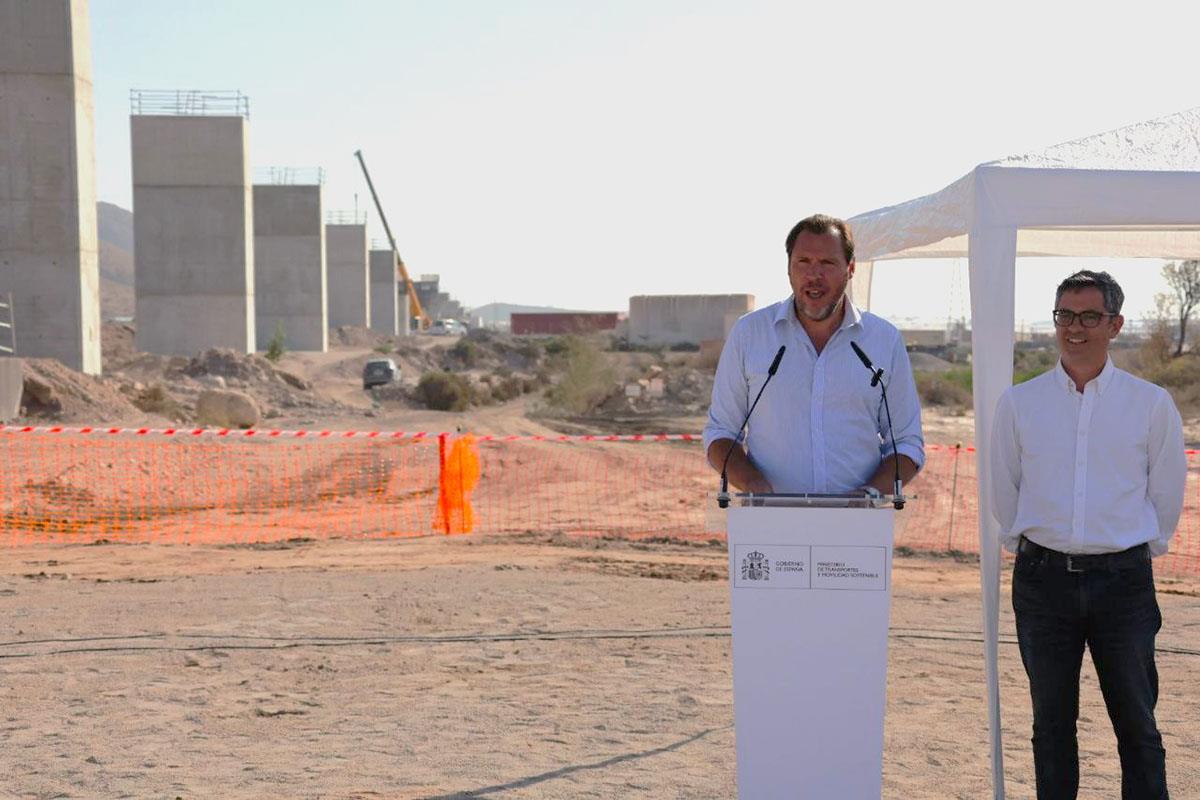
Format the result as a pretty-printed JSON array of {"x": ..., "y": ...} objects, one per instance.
[{"x": 1071, "y": 564}]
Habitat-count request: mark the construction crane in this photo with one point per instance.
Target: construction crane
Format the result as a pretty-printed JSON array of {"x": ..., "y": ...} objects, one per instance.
[{"x": 414, "y": 302}]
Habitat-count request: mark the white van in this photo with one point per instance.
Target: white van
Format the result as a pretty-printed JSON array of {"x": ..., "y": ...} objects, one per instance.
[{"x": 447, "y": 327}]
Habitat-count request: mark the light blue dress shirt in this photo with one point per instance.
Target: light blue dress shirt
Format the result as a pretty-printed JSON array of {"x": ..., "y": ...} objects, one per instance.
[{"x": 820, "y": 425}]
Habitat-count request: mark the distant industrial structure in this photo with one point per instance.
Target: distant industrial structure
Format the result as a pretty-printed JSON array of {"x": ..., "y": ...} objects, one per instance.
[
  {"x": 684, "y": 318},
  {"x": 437, "y": 304}
]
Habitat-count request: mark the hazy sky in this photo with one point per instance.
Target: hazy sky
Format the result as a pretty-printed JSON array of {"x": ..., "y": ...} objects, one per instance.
[{"x": 574, "y": 154}]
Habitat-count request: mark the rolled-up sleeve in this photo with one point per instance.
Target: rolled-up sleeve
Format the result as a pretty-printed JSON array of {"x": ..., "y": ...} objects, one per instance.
[
  {"x": 905, "y": 405},
  {"x": 1005, "y": 462},
  {"x": 1167, "y": 477},
  {"x": 729, "y": 394}
]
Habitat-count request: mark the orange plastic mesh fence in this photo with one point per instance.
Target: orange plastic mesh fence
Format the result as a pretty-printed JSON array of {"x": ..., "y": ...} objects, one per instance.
[
  {"x": 82, "y": 485},
  {"x": 211, "y": 488}
]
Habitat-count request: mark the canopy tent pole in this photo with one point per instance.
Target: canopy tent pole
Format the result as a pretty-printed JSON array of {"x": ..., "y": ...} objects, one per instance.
[{"x": 993, "y": 254}]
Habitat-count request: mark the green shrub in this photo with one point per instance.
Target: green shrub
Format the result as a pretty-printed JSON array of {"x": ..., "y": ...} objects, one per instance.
[
  {"x": 558, "y": 345},
  {"x": 275, "y": 349},
  {"x": 1027, "y": 374},
  {"x": 962, "y": 378},
  {"x": 466, "y": 352},
  {"x": 587, "y": 379},
  {"x": 951, "y": 388},
  {"x": 508, "y": 388},
  {"x": 1175, "y": 373},
  {"x": 444, "y": 391},
  {"x": 1029, "y": 364},
  {"x": 481, "y": 335}
]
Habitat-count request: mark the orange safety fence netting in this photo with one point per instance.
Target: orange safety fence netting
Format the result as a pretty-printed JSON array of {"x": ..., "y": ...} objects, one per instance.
[{"x": 85, "y": 484}]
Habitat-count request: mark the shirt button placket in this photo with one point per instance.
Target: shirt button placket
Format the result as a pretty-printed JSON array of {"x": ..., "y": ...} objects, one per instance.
[
  {"x": 816, "y": 429},
  {"x": 1081, "y": 445}
]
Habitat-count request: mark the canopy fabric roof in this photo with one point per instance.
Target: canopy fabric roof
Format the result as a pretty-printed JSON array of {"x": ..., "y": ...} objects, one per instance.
[
  {"x": 1131, "y": 192},
  {"x": 937, "y": 225}
]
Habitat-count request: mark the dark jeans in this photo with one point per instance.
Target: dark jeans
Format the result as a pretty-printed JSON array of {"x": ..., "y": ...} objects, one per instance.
[{"x": 1114, "y": 613}]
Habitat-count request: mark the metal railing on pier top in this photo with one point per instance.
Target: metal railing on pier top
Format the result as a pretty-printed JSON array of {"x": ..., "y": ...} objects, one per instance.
[
  {"x": 189, "y": 103},
  {"x": 289, "y": 176},
  {"x": 338, "y": 217}
]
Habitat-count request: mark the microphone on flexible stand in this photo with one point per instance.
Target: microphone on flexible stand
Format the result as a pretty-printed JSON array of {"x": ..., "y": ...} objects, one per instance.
[
  {"x": 723, "y": 495},
  {"x": 877, "y": 380}
]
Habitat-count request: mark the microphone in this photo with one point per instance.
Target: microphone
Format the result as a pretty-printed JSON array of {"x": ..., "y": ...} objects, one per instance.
[
  {"x": 723, "y": 495},
  {"x": 876, "y": 375},
  {"x": 877, "y": 380},
  {"x": 771, "y": 370}
]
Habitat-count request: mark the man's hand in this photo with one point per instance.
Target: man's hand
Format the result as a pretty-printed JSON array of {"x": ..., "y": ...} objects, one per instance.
[
  {"x": 885, "y": 477},
  {"x": 740, "y": 470},
  {"x": 757, "y": 486}
]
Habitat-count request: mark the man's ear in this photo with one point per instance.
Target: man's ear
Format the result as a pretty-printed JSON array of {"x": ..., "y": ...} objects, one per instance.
[
  {"x": 850, "y": 270},
  {"x": 1117, "y": 323}
]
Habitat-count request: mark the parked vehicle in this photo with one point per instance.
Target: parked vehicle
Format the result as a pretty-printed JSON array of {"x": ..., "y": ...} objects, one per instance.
[
  {"x": 447, "y": 327},
  {"x": 380, "y": 372}
]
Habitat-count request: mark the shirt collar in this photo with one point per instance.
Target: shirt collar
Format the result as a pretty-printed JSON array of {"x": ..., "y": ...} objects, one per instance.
[
  {"x": 786, "y": 311},
  {"x": 1101, "y": 381}
]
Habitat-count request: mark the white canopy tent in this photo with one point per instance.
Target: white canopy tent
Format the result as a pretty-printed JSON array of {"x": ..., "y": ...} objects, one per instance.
[{"x": 1132, "y": 192}]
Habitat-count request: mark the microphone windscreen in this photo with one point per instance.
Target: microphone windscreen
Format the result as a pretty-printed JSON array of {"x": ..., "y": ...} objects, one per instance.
[
  {"x": 858, "y": 351},
  {"x": 778, "y": 358}
]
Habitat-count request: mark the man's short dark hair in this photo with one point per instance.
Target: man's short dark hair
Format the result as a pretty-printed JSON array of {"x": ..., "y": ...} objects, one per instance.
[
  {"x": 823, "y": 223},
  {"x": 1114, "y": 298}
]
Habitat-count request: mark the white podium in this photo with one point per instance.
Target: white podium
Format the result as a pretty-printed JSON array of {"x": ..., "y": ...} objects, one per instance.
[{"x": 810, "y": 585}]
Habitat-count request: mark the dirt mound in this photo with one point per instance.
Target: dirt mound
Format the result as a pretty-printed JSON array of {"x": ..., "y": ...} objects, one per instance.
[
  {"x": 226, "y": 363},
  {"x": 926, "y": 362},
  {"x": 356, "y": 336},
  {"x": 54, "y": 392},
  {"x": 116, "y": 344}
]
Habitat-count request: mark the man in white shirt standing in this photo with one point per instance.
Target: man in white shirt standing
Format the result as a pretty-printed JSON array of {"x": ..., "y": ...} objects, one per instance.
[
  {"x": 1088, "y": 472},
  {"x": 820, "y": 427}
]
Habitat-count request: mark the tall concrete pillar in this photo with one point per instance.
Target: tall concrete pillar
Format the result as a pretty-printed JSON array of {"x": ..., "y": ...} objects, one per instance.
[
  {"x": 48, "y": 247},
  {"x": 289, "y": 267},
  {"x": 349, "y": 278},
  {"x": 384, "y": 294},
  {"x": 403, "y": 313},
  {"x": 192, "y": 229}
]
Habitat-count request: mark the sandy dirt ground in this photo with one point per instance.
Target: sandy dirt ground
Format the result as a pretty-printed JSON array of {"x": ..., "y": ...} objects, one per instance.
[{"x": 522, "y": 666}]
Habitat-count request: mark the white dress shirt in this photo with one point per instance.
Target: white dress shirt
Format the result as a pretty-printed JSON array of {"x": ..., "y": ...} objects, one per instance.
[
  {"x": 820, "y": 425},
  {"x": 1092, "y": 472}
]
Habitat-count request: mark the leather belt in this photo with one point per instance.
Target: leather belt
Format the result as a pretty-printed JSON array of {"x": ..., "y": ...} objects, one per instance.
[{"x": 1074, "y": 562}]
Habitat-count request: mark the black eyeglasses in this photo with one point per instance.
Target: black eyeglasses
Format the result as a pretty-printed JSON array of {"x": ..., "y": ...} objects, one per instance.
[{"x": 1065, "y": 317}]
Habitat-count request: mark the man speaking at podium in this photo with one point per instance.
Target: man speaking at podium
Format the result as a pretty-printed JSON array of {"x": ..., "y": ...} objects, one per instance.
[{"x": 821, "y": 425}]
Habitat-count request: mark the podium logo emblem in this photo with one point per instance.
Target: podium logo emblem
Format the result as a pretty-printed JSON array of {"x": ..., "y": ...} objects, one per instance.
[{"x": 756, "y": 567}]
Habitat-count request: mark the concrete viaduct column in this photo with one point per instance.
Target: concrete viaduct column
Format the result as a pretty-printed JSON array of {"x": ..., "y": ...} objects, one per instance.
[
  {"x": 48, "y": 247},
  {"x": 384, "y": 296},
  {"x": 403, "y": 312},
  {"x": 289, "y": 266},
  {"x": 349, "y": 277},
  {"x": 192, "y": 223}
]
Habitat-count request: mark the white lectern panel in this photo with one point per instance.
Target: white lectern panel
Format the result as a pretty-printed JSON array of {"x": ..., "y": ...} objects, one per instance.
[{"x": 811, "y": 594}]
